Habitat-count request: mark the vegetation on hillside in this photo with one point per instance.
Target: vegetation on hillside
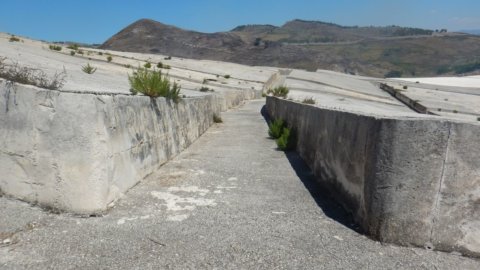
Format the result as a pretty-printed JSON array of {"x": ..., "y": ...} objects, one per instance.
[
  {"x": 460, "y": 69},
  {"x": 370, "y": 51}
]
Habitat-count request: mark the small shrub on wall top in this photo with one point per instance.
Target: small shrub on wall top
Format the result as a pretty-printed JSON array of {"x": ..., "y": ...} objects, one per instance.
[
  {"x": 14, "y": 73},
  {"x": 14, "y": 39},
  {"x": 280, "y": 91},
  {"x": 154, "y": 84},
  {"x": 308, "y": 101}
]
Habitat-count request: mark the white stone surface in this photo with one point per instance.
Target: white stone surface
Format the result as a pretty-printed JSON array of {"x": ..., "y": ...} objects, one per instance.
[{"x": 466, "y": 81}]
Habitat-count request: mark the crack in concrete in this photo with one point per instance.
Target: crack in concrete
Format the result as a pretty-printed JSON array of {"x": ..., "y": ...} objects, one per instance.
[
  {"x": 13, "y": 154},
  {"x": 435, "y": 210}
]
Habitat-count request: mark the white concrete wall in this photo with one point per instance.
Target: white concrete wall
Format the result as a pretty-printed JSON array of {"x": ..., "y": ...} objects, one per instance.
[
  {"x": 411, "y": 181},
  {"x": 79, "y": 152}
]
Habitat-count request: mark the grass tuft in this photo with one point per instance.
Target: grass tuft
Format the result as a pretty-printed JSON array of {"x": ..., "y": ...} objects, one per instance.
[
  {"x": 280, "y": 91},
  {"x": 308, "y": 101},
  {"x": 275, "y": 128},
  {"x": 55, "y": 47},
  {"x": 73, "y": 47},
  {"x": 206, "y": 89},
  {"x": 13, "y": 38},
  {"x": 89, "y": 69},
  {"x": 153, "y": 84},
  {"x": 217, "y": 119}
]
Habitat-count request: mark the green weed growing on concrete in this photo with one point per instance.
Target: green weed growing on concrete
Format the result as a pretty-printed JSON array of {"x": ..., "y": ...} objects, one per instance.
[
  {"x": 14, "y": 39},
  {"x": 160, "y": 65},
  {"x": 154, "y": 84},
  {"x": 217, "y": 119},
  {"x": 72, "y": 53},
  {"x": 308, "y": 101},
  {"x": 280, "y": 91},
  {"x": 89, "y": 69},
  {"x": 109, "y": 58},
  {"x": 73, "y": 47},
  {"x": 55, "y": 48},
  {"x": 147, "y": 65},
  {"x": 286, "y": 140},
  {"x": 275, "y": 128},
  {"x": 227, "y": 76},
  {"x": 206, "y": 89}
]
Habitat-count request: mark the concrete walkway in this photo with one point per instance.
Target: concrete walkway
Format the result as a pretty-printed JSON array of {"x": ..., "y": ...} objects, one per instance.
[{"x": 231, "y": 201}]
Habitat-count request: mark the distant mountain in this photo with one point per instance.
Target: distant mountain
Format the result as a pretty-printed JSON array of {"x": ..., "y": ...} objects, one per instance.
[
  {"x": 300, "y": 31},
  {"x": 471, "y": 32},
  {"x": 373, "y": 51},
  {"x": 149, "y": 36}
]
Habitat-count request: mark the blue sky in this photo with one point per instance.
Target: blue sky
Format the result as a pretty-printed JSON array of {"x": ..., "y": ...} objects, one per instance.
[{"x": 94, "y": 21}]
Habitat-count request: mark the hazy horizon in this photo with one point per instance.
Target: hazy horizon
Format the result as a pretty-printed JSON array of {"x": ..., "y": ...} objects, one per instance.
[{"x": 93, "y": 22}]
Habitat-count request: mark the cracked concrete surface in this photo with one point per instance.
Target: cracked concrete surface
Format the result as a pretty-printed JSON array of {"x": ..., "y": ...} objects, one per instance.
[{"x": 230, "y": 201}]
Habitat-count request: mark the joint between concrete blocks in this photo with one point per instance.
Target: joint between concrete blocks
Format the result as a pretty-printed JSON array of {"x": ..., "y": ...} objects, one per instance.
[{"x": 440, "y": 185}]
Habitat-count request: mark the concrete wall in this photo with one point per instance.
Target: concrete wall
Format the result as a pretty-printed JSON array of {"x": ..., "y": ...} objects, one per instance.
[
  {"x": 277, "y": 79},
  {"x": 79, "y": 152},
  {"x": 233, "y": 98},
  {"x": 406, "y": 180}
]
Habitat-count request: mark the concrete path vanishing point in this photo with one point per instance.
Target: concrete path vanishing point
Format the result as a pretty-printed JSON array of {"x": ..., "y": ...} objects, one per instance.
[{"x": 230, "y": 201}]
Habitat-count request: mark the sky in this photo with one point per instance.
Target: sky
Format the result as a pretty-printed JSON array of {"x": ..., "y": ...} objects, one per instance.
[{"x": 94, "y": 21}]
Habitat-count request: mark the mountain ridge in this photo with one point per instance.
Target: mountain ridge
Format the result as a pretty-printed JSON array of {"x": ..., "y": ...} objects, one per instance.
[{"x": 365, "y": 50}]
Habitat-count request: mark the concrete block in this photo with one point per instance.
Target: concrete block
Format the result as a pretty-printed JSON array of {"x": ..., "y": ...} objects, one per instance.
[
  {"x": 79, "y": 152},
  {"x": 410, "y": 181}
]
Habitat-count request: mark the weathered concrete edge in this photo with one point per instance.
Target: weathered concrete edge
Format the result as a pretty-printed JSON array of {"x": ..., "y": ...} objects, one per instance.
[
  {"x": 392, "y": 173},
  {"x": 81, "y": 151}
]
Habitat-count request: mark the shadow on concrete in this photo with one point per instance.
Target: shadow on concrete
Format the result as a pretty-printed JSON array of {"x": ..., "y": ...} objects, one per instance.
[
  {"x": 265, "y": 115},
  {"x": 319, "y": 193}
]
